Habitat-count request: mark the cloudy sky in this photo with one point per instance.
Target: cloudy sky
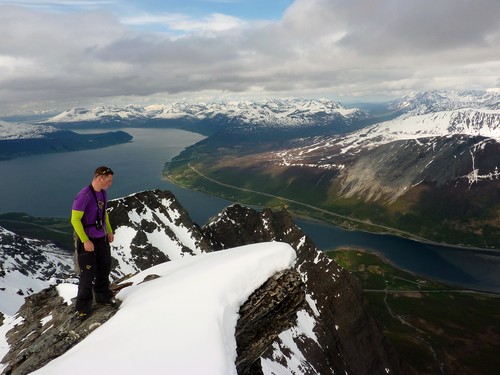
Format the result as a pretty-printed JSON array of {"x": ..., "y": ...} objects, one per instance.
[{"x": 60, "y": 54}]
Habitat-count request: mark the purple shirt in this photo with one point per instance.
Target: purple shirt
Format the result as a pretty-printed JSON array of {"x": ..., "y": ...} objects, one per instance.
[{"x": 86, "y": 202}]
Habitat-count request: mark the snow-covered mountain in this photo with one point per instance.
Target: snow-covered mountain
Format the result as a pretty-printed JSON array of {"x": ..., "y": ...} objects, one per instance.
[
  {"x": 444, "y": 149},
  {"x": 437, "y": 138},
  {"x": 104, "y": 114},
  {"x": 270, "y": 112},
  {"x": 428, "y": 115},
  {"x": 469, "y": 122},
  {"x": 21, "y": 139},
  {"x": 419, "y": 103},
  {"x": 143, "y": 223},
  {"x": 466, "y": 122},
  {"x": 26, "y": 267},
  {"x": 276, "y": 112},
  {"x": 13, "y": 131},
  {"x": 151, "y": 228},
  {"x": 272, "y": 307}
]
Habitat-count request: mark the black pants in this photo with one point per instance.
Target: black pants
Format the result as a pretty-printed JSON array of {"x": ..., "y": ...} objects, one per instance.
[{"x": 94, "y": 265}]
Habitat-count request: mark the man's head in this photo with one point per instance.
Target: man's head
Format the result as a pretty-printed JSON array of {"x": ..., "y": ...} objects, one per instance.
[{"x": 103, "y": 178}]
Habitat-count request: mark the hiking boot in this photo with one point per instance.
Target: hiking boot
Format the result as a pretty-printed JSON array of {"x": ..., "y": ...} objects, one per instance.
[{"x": 81, "y": 315}]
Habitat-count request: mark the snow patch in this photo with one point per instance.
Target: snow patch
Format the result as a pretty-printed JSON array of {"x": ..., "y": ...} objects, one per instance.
[{"x": 190, "y": 311}]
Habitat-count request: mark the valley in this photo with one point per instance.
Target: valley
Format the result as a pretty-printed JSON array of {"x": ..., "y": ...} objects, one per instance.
[
  {"x": 428, "y": 173},
  {"x": 435, "y": 327},
  {"x": 431, "y": 174},
  {"x": 459, "y": 214}
]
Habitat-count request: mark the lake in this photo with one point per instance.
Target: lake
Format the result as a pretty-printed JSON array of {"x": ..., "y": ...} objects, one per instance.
[{"x": 45, "y": 185}]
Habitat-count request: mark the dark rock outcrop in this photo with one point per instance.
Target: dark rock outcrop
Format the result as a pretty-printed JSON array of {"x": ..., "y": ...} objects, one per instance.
[
  {"x": 149, "y": 213},
  {"x": 270, "y": 310},
  {"x": 347, "y": 337},
  {"x": 49, "y": 329},
  {"x": 313, "y": 314}
]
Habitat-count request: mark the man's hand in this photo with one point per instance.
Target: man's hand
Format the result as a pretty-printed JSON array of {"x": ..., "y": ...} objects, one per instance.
[
  {"x": 88, "y": 246},
  {"x": 111, "y": 237}
]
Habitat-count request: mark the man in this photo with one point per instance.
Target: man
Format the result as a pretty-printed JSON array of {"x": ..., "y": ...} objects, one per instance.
[{"x": 91, "y": 223}]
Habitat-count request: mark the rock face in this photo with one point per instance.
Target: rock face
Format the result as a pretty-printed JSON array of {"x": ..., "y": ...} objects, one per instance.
[
  {"x": 306, "y": 320},
  {"x": 34, "y": 341},
  {"x": 270, "y": 310},
  {"x": 143, "y": 223},
  {"x": 344, "y": 338},
  {"x": 26, "y": 266}
]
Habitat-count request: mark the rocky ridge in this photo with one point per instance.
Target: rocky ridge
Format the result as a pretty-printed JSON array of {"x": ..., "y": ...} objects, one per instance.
[
  {"x": 418, "y": 103},
  {"x": 333, "y": 298},
  {"x": 315, "y": 289},
  {"x": 28, "y": 265},
  {"x": 143, "y": 223}
]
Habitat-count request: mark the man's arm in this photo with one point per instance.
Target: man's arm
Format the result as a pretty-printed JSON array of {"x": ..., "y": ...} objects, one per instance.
[
  {"x": 109, "y": 230},
  {"x": 76, "y": 222}
]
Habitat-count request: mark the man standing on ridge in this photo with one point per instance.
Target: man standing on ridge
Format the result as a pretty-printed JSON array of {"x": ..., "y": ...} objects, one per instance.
[{"x": 90, "y": 220}]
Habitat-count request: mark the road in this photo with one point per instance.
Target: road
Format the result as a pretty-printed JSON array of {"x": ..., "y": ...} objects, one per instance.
[{"x": 389, "y": 229}]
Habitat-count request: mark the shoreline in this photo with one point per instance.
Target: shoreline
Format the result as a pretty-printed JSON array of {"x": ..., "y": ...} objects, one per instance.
[
  {"x": 313, "y": 219},
  {"x": 477, "y": 251},
  {"x": 410, "y": 237},
  {"x": 384, "y": 259}
]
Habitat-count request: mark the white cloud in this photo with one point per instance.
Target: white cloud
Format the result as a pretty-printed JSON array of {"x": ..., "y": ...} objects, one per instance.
[
  {"x": 180, "y": 22},
  {"x": 329, "y": 48}
]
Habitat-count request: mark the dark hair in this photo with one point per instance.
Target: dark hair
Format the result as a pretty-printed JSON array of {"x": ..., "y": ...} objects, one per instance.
[{"x": 103, "y": 171}]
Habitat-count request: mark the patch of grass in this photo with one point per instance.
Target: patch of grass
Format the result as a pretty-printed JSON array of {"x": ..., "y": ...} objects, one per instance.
[
  {"x": 432, "y": 325},
  {"x": 56, "y": 230}
]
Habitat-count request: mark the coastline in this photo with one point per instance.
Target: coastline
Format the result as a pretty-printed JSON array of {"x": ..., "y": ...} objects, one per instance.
[
  {"x": 384, "y": 259},
  {"x": 387, "y": 230}
]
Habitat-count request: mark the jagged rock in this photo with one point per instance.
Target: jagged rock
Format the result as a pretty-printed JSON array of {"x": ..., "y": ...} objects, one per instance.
[
  {"x": 149, "y": 215},
  {"x": 317, "y": 305},
  {"x": 26, "y": 266},
  {"x": 344, "y": 331},
  {"x": 49, "y": 329},
  {"x": 270, "y": 310},
  {"x": 142, "y": 222}
]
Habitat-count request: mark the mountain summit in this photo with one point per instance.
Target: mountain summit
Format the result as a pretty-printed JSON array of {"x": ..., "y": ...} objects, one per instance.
[
  {"x": 248, "y": 293},
  {"x": 419, "y": 103}
]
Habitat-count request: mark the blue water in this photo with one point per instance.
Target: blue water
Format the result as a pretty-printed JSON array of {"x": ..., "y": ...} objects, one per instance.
[
  {"x": 45, "y": 185},
  {"x": 474, "y": 269}
]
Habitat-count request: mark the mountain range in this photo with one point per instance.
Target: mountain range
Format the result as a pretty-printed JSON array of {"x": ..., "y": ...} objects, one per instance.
[
  {"x": 297, "y": 116},
  {"x": 275, "y": 112},
  {"x": 426, "y": 167},
  {"x": 417, "y": 103},
  {"x": 431, "y": 172}
]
